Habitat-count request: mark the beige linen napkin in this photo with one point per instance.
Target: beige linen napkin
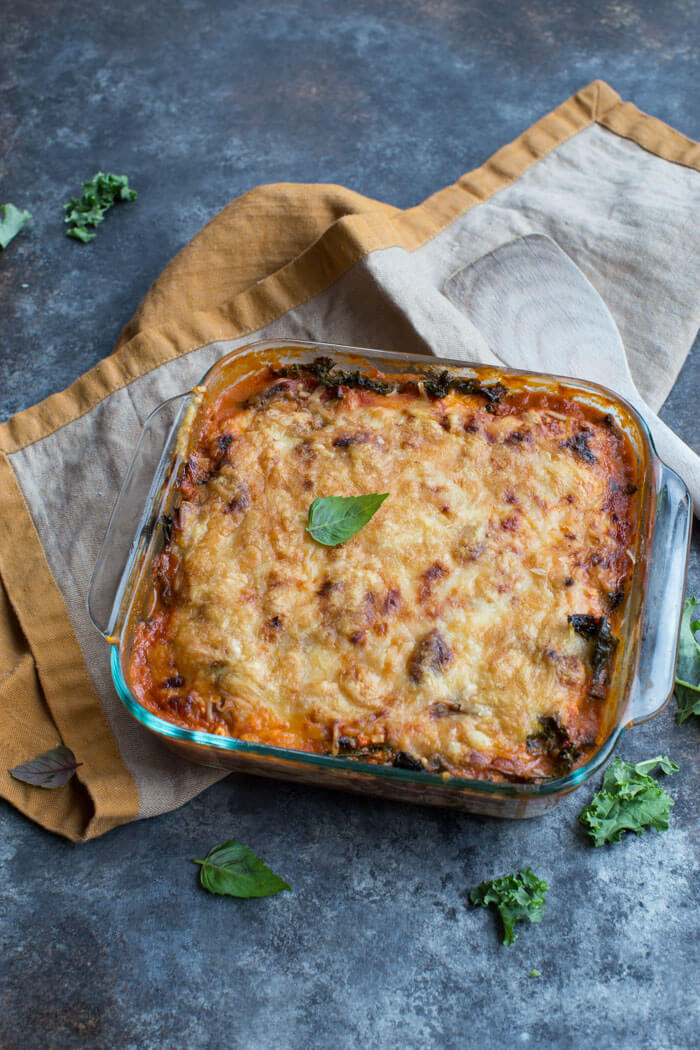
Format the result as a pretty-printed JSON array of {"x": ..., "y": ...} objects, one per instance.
[{"x": 618, "y": 190}]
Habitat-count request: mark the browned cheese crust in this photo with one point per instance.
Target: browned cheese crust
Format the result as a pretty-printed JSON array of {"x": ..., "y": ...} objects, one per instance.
[{"x": 469, "y": 628}]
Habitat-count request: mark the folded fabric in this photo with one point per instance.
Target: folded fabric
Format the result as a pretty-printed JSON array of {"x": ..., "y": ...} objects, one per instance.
[{"x": 616, "y": 189}]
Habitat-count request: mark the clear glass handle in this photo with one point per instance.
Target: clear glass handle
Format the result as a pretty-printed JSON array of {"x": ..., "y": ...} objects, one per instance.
[
  {"x": 654, "y": 681},
  {"x": 131, "y": 523}
]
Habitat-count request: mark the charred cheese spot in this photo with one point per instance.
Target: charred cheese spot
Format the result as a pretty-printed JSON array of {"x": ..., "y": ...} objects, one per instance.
[
  {"x": 360, "y": 437},
  {"x": 431, "y": 653},
  {"x": 440, "y": 631},
  {"x": 437, "y": 571},
  {"x": 240, "y": 501}
]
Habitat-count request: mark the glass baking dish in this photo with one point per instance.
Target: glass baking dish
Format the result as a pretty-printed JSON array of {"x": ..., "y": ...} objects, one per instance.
[{"x": 643, "y": 675}]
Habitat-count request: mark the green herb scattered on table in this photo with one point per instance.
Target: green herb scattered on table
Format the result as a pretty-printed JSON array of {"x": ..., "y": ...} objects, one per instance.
[
  {"x": 52, "y": 769},
  {"x": 11, "y": 222},
  {"x": 233, "y": 870},
  {"x": 688, "y": 666},
  {"x": 534, "y": 973},
  {"x": 629, "y": 800},
  {"x": 518, "y": 896},
  {"x": 334, "y": 519},
  {"x": 98, "y": 195}
]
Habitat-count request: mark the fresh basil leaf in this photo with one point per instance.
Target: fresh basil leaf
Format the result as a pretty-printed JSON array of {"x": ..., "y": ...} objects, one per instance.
[
  {"x": 333, "y": 519},
  {"x": 52, "y": 769},
  {"x": 688, "y": 666},
  {"x": 518, "y": 896},
  {"x": 98, "y": 195},
  {"x": 233, "y": 870},
  {"x": 629, "y": 800},
  {"x": 11, "y": 222}
]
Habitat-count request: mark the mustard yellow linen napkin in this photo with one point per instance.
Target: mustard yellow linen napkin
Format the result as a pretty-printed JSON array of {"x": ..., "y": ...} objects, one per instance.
[{"x": 617, "y": 189}]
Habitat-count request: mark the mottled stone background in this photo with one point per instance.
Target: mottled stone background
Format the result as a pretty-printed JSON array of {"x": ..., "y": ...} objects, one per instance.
[{"x": 112, "y": 945}]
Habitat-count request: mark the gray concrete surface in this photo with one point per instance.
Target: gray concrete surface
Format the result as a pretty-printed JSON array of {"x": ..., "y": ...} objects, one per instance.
[{"x": 112, "y": 944}]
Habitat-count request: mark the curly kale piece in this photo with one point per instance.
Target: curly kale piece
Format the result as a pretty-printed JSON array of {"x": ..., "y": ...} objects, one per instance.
[
  {"x": 629, "y": 800},
  {"x": 435, "y": 384},
  {"x": 11, "y": 222},
  {"x": 688, "y": 666},
  {"x": 518, "y": 896},
  {"x": 585, "y": 624},
  {"x": 98, "y": 195},
  {"x": 597, "y": 628},
  {"x": 553, "y": 739},
  {"x": 439, "y": 384},
  {"x": 605, "y": 646},
  {"x": 322, "y": 369}
]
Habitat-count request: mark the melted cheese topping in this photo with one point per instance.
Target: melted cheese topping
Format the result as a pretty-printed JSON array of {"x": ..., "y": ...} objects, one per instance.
[{"x": 437, "y": 636}]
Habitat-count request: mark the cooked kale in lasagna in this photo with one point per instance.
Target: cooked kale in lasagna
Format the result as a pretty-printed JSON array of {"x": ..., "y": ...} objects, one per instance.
[{"x": 469, "y": 629}]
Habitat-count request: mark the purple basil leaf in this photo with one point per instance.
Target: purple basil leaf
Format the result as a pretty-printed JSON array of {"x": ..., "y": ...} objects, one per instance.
[{"x": 52, "y": 769}]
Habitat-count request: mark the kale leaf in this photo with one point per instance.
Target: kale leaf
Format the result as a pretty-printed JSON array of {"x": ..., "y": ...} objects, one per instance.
[
  {"x": 323, "y": 370},
  {"x": 598, "y": 628},
  {"x": 585, "y": 624},
  {"x": 11, "y": 222},
  {"x": 98, "y": 195},
  {"x": 553, "y": 739},
  {"x": 688, "y": 666},
  {"x": 439, "y": 384},
  {"x": 518, "y": 896},
  {"x": 629, "y": 800},
  {"x": 435, "y": 384}
]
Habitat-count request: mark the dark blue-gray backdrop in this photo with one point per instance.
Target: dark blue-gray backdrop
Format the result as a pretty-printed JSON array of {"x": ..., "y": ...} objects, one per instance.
[{"x": 112, "y": 944}]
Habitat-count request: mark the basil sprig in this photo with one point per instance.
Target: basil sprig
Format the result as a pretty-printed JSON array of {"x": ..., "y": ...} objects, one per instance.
[
  {"x": 334, "y": 519},
  {"x": 232, "y": 870}
]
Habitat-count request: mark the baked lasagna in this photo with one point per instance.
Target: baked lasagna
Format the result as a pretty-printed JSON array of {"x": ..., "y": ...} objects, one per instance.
[{"x": 469, "y": 629}]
